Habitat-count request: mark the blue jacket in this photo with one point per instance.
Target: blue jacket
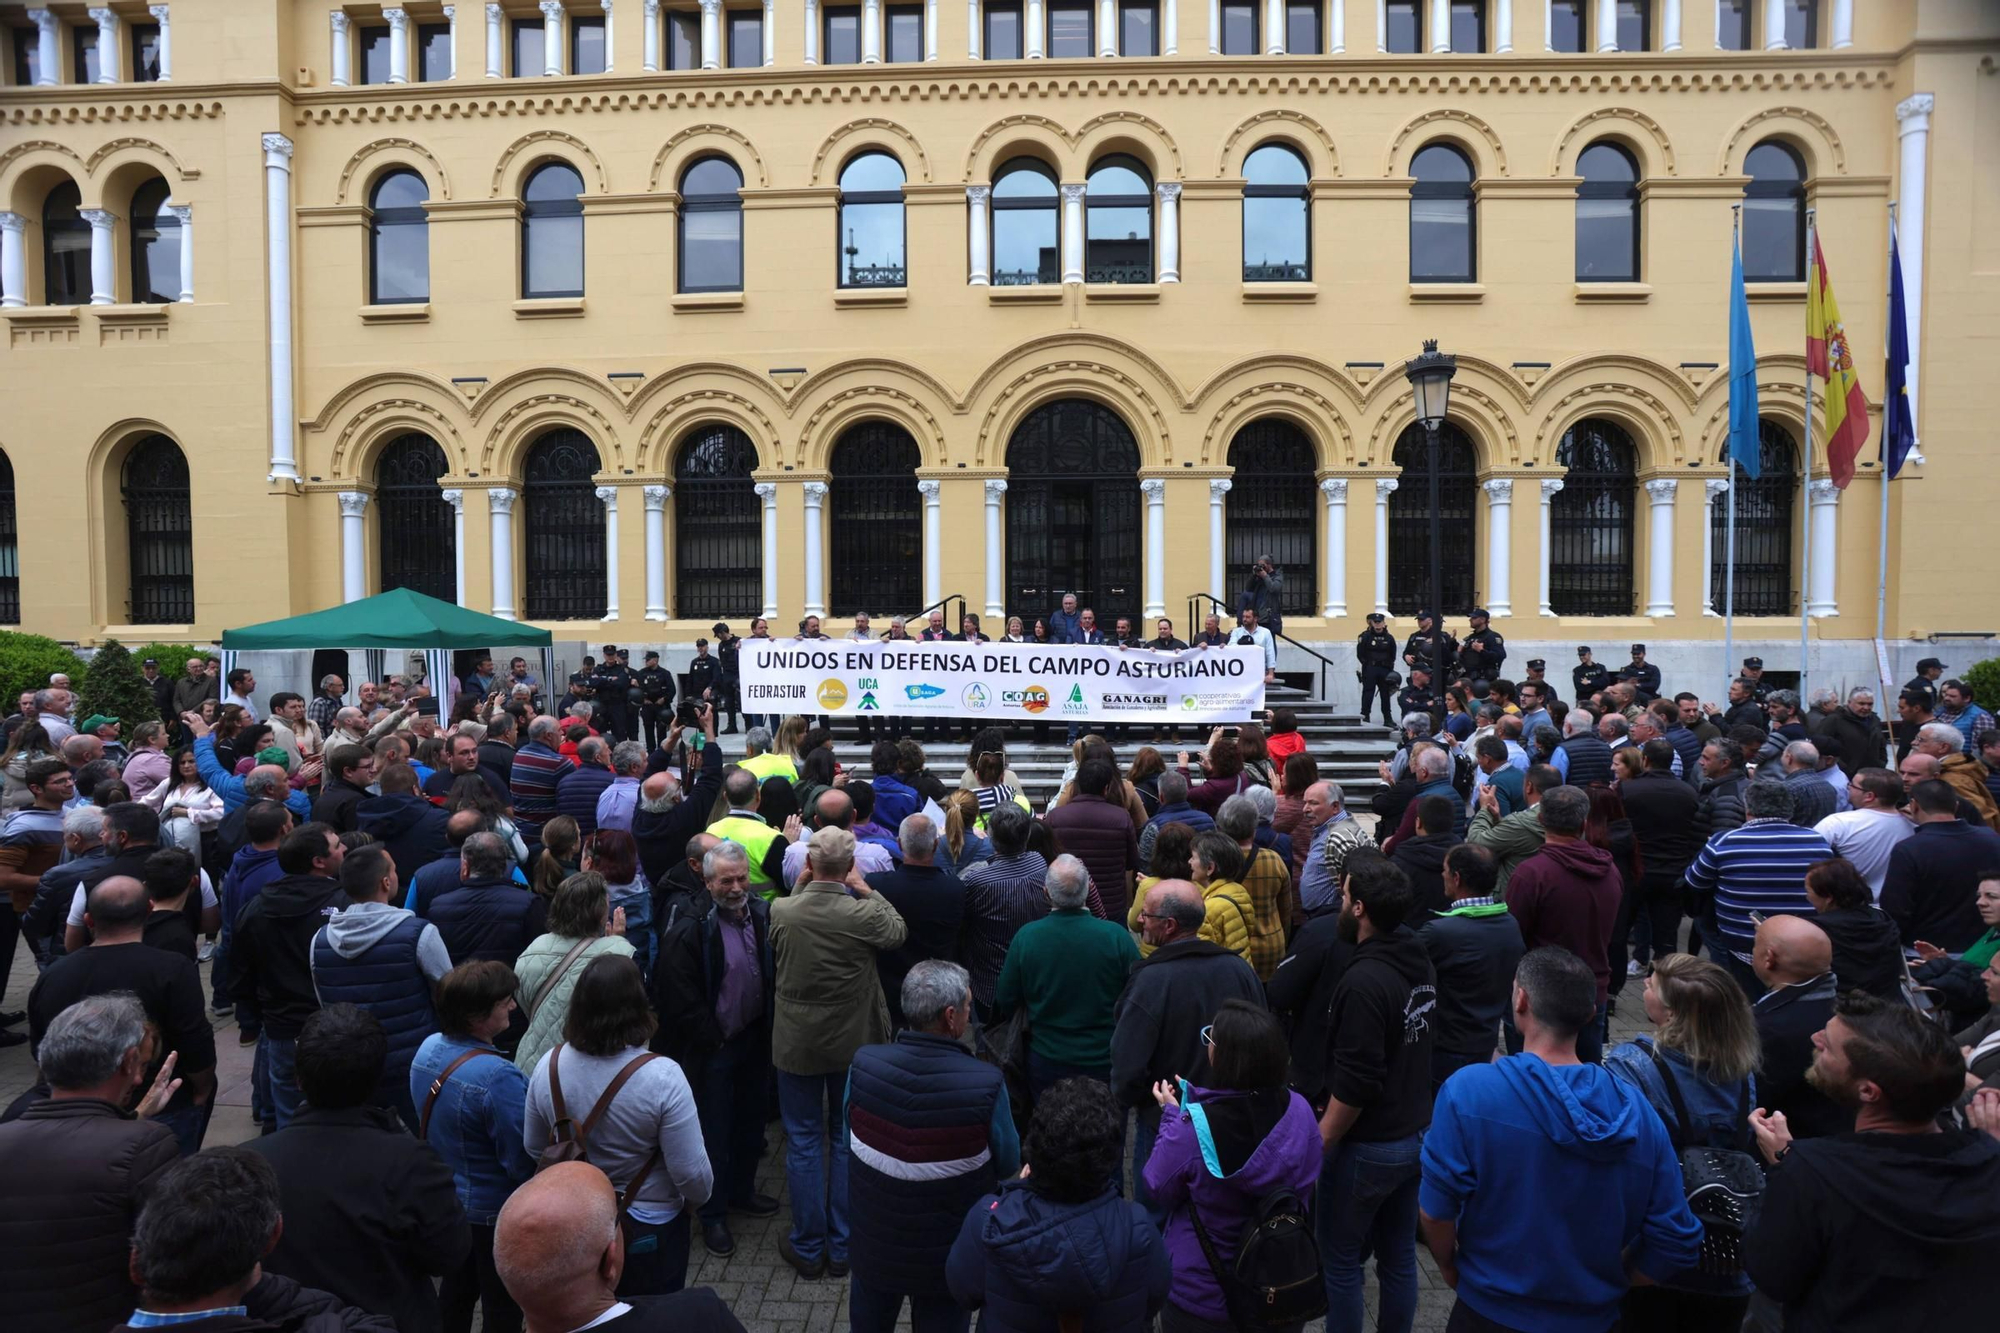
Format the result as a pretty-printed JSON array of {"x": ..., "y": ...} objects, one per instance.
[
  {"x": 379, "y": 972},
  {"x": 577, "y": 792},
  {"x": 1026, "y": 1259},
  {"x": 895, "y": 801},
  {"x": 1065, "y": 626},
  {"x": 1520, "y": 1148},
  {"x": 488, "y": 919},
  {"x": 428, "y": 882},
  {"x": 249, "y": 871},
  {"x": 230, "y": 787},
  {"x": 930, "y": 1132},
  {"x": 476, "y": 1122}
]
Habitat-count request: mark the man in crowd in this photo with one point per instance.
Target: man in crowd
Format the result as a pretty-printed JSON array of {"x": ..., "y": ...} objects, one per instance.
[
  {"x": 1066, "y": 624},
  {"x": 1534, "y": 707},
  {"x": 461, "y": 760},
  {"x": 1099, "y": 834},
  {"x": 1258, "y": 636},
  {"x": 1475, "y": 946},
  {"x": 31, "y": 843},
  {"x": 1965, "y": 774},
  {"x": 402, "y": 820},
  {"x": 1067, "y": 970},
  {"x": 1662, "y": 809},
  {"x": 1263, "y": 593},
  {"x": 765, "y": 845},
  {"x": 1644, "y": 676},
  {"x": 1421, "y": 857},
  {"x": 611, "y": 690},
  {"x": 236, "y": 792},
  {"x": 1723, "y": 783},
  {"x": 1794, "y": 960},
  {"x": 617, "y": 802},
  {"x": 487, "y": 915},
  {"x": 671, "y": 811},
  {"x": 1336, "y": 833},
  {"x": 1519, "y": 836},
  {"x": 1930, "y": 887},
  {"x": 1588, "y": 676},
  {"x": 1759, "y": 867},
  {"x": 1568, "y": 894},
  {"x": 193, "y": 686},
  {"x": 1957, "y": 708},
  {"x": 1375, "y": 650},
  {"x": 1812, "y": 799},
  {"x": 1429, "y": 646},
  {"x": 270, "y": 956},
  {"x": 577, "y": 790},
  {"x": 52, "y": 713},
  {"x": 1859, "y": 731},
  {"x": 1432, "y": 768},
  {"x": 1001, "y": 896},
  {"x": 931, "y": 901},
  {"x": 1484, "y": 651},
  {"x": 656, "y": 698},
  {"x": 1173, "y": 809},
  {"x": 1584, "y": 757},
  {"x": 533, "y": 776},
  {"x": 834, "y": 809},
  {"x": 350, "y": 771},
  {"x": 1868, "y": 832}
]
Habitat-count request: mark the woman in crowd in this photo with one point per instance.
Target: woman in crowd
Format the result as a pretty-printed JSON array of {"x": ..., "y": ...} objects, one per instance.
[
  {"x": 1703, "y": 1055},
  {"x": 252, "y": 739},
  {"x": 986, "y": 772},
  {"x": 470, "y": 792},
  {"x": 562, "y": 849},
  {"x": 223, "y": 728},
  {"x": 186, "y": 806},
  {"x": 777, "y": 800},
  {"x": 1216, "y": 866},
  {"x": 911, "y": 768},
  {"x": 1867, "y": 949},
  {"x": 1980, "y": 1043},
  {"x": 1173, "y": 848},
  {"x": 1458, "y": 719},
  {"x": 1041, "y": 632},
  {"x": 962, "y": 838},
  {"x": 1283, "y": 740},
  {"x": 1222, "y": 774},
  {"x": 1144, "y": 778},
  {"x": 648, "y": 1140},
  {"x": 148, "y": 765},
  {"x": 1120, "y": 792},
  {"x": 1299, "y": 772},
  {"x": 614, "y": 854},
  {"x": 1222, "y": 1150},
  {"x": 788, "y": 739},
  {"x": 470, "y": 1101},
  {"x": 1255, "y": 752},
  {"x": 1627, "y": 763},
  {"x": 30, "y": 745},
  {"x": 817, "y": 775},
  {"x": 1014, "y": 632},
  {"x": 582, "y": 927}
]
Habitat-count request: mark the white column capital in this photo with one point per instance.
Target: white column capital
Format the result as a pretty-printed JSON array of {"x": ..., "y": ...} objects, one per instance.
[
  {"x": 978, "y": 194},
  {"x": 1384, "y": 488},
  {"x": 652, "y": 8},
  {"x": 553, "y": 9},
  {"x": 398, "y": 18},
  {"x": 607, "y": 496},
  {"x": 928, "y": 487},
  {"x": 1217, "y": 488},
  {"x": 657, "y": 496},
  {"x": 1169, "y": 191},
  {"x": 14, "y": 222},
  {"x": 1663, "y": 490},
  {"x": 353, "y": 504},
  {"x": 1550, "y": 486},
  {"x": 500, "y": 499},
  {"x": 42, "y": 19},
  {"x": 341, "y": 22},
  {"x": 1499, "y": 490},
  {"x": 1073, "y": 193},
  {"x": 1154, "y": 489},
  {"x": 815, "y": 491},
  {"x": 495, "y": 11},
  {"x": 995, "y": 488},
  {"x": 100, "y": 219},
  {"x": 1714, "y": 488},
  {"x": 277, "y": 152},
  {"x": 454, "y": 497},
  {"x": 1823, "y": 492},
  {"x": 1335, "y": 490},
  {"x": 183, "y": 213},
  {"x": 451, "y": 11},
  {"x": 768, "y": 490},
  {"x": 710, "y": 6},
  {"x": 1913, "y": 113}
]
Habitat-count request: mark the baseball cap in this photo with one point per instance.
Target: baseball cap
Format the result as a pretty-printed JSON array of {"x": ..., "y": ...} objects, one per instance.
[
  {"x": 151, "y": 661},
  {"x": 1583, "y": 652},
  {"x": 1930, "y": 662},
  {"x": 96, "y": 720}
]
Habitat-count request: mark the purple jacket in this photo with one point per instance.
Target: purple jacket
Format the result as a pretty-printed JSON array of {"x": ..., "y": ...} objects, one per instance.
[
  {"x": 1186, "y": 1167},
  {"x": 1100, "y": 835}
]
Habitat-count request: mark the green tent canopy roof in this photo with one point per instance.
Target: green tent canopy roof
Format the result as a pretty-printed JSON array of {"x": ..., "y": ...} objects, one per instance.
[{"x": 399, "y": 618}]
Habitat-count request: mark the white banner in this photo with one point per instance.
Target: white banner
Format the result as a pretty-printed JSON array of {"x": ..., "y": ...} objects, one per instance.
[{"x": 1006, "y": 682}]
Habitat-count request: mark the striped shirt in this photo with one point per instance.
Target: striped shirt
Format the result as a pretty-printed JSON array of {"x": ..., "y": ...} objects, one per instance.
[{"x": 1760, "y": 867}]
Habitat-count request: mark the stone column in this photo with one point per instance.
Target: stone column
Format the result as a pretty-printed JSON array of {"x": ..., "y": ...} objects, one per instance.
[
  {"x": 930, "y": 30},
  {"x": 977, "y": 235},
  {"x": 768, "y": 493},
  {"x": 495, "y": 43},
  {"x": 711, "y": 34},
  {"x": 353, "y": 545},
  {"x": 650, "y": 58},
  {"x": 451, "y": 41},
  {"x": 608, "y": 497},
  {"x": 770, "y": 32},
  {"x": 815, "y": 496},
  {"x": 1607, "y": 25},
  {"x": 552, "y": 39},
  {"x": 110, "y": 59},
  {"x": 1170, "y": 230},
  {"x": 1670, "y": 25},
  {"x": 456, "y": 499},
  {"x": 278, "y": 283},
  {"x": 996, "y": 574},
  {"x": 1218, "y": 535},
  {"x": 500, "y": 503},
  {"x": 812, "y": 32},
  {"x": 1335, "y": 599},
  {"x": 871, "y": 32},
  {"x": 343, "y": 50},
  {"x": 1031, "y": 40},
  {"x": 1384, "y": 488},
  {"x": 1550, "y": 486},
  {"x": 931, "y": 490},
  {"x": 1843, "y": 24},
  {"x": 159, "y": 13},
  {"x": 1660, "y": 545},
  {"x": 1913, "y": 131},
  {"x": 1439, "y": 22},
  {"x": 1825, "y": 509},
  {"x": 1713, "y": 491},
  {"x": 972, "y": 28},
  {"x": 184, "y": 214},
  {"x": 1072, "y": 233},
  {"x": 13, "y": 261},
  {"x": 1155, "y": 492},
  {"x": 1499, "y": 546},
  {"x": 1215, "y": 26},
  {"x": 399, "y": 44},
  {"x": 611, "y": 42},
  {"x": 656, "y": 550},
  {"x": 103, "y": 255},
  {"x": 1170, "y": 27},
  {"x": 1503, "y": 25},
  {"x": 48, "y": 47},
  {"x": 1774, "y": 25}
]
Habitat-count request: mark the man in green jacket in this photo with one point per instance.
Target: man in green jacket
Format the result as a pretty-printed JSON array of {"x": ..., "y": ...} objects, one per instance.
[{"x": 1512, "y": 838}]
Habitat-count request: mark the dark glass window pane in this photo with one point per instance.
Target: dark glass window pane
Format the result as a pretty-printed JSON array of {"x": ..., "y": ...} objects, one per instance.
[
  {"x": 84, "y": 67},
  {"x": 1239, "y": 28},
  {"x": 1441, "y": 217},
  {"x": 1732, "y": 25},
  {"x": 10, "y": 548},
  {"x": 683, "y": 39},
  {"x": 434, "y": 52},
  {"x": 1118, "y": 223},
  {"x": 1607, "y": 216},
  {"x": 1774, "y": 215},
  {"x": 1138, "y": 29},
  {"x": 145, "y": 52},
  {"x": 1566, "y": 25},
  {"x": 711, "y": 249},
  {"x": 1801, "y": 24},
  {"x": 65, "y": 248},
  {"x": 1003, "y": 32},
  {"x": 1406, "y": 27},
  {"x": 1302, "y": 32},
  {"x": 1275, "y": 246},
  {"x": 156, "y": 246},
  {"x": 1468, "y": 26},
  {"x": 746, "y": 38},
  {"x": 1634, "y": 27},
  {"x": 904, "y": 42},
  {"x": 843, "y": 36},
  {"x": 871, "y": 222},
  {"x": 373, "y": 52},
  {"x": 1069, "y": 29},
  {"x": 159, "y": 533},
  {"x": 400, "y": 236},
  {"x": 552, "y": 233},
  {"x": 586, "y": 45},
  {"x": 27, "y": 56},
  {"x": 530, "y": 51}
]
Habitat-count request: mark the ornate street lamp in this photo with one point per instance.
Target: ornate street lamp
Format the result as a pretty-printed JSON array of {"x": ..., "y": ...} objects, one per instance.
[{"x": 1430, "y": 383}]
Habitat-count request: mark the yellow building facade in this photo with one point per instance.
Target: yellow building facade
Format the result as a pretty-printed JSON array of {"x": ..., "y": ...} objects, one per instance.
[{"x": 441, "y": 295}]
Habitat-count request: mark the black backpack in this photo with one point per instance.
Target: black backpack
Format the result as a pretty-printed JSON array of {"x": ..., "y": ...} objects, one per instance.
[
  {"x": 1724, "y": 1187},
  {"x": 1276, "y": 1281}
]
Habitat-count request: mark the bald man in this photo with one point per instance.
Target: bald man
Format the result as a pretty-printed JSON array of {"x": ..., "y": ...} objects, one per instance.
[
  {"x": 835, "y": 809},
  {"x": 557, "y": 1248},
  {"x": 1794, "y": 957},
  {"x": 670, "y": 813}
]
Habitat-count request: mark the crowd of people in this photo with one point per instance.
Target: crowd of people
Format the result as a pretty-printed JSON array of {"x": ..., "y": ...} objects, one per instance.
[{"x": 1184, "y": 1040}]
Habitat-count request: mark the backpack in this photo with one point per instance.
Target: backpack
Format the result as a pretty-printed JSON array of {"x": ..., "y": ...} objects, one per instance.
[
  {"x": 1276, "y": 1281},
  {"x": 1724, "y": 1187},
  {"x": 570, "y": 1141}
]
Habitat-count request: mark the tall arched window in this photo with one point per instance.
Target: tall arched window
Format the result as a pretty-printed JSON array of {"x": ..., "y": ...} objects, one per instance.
[
  {"x": 1443, "y": 221},
  {"x": 871, "y": 222},
  {"x": 1027, "y": 243},
  {"x": 1774, "y": 215},
  {"x": 156, "y": 245},
  {"x": 712, "y": 227},
  {"x": 1410, "y": 521},
  {"x": 875, "y": 521},
  {"x": 1763, "y": 528},
  {"x": 399, "y": 248},
  {"x": 718, "y": 526},
  {"x": 10, "y": 547},
  {"x": 1271, "y": 508},
  {"x": 1590, "y": 522},
  {"x": 1277, "y": 216},
  {"x": 416, "y": 528},
  {"x": 563, "y": 554},
  {"x": 552, "y": 232},
  {"x": 1118, "y": 222},
  {"x": 65, "y": 247},
  {"x": 1607, "y": 215},
  {"x": 1073, "y": 511},
  {"x": 159, "y": 533}
]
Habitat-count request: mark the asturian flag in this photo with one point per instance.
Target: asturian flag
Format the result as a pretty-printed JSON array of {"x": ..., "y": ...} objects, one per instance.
[{"x": 1829, "y": 357}]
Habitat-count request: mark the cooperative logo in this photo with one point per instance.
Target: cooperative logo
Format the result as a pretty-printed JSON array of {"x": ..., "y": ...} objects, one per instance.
[
  {"x": 975, "y": 697},
  {"x": 923, "y": 691},
  {"x": 1133, "y": 703},
  {"x": 867, "y": 704},
  {"x": 1032, "y": 699},
  {"x": 1074, "y": 703},
  {"x": 1189, "y": 703},
  {"x": 832, "y": 694}
]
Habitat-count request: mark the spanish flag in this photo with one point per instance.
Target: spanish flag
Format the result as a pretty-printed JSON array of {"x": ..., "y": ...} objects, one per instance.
[{"x": 1829, "y": 357}]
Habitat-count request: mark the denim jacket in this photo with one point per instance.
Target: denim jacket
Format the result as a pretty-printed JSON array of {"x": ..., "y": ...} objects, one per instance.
[{"x": 476, "y": 1126}]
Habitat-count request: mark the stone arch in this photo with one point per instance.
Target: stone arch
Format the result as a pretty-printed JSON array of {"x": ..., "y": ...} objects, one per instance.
[
  {"x": 1473, "y": 410},
  {"x": 1476, "y": 373},
  {"x": 694, "y": 141},
  {"x": 515, "y": 431},
  {"x": 1806, "y": 131},
  {"x": 1014, "y": 136},
  {"x": 1461, "y": 128},
  {"x": 351, "y": 456},
  {"x": 30, "y": 169},
  {"x": 1648, "y": 399},
  {"x": 868, "y": 402},
  {"x": 871, "y": 132},
  {"x": 531, "y": 150},
  {"x": 1780, "y": 396},
  {"x": 118, "y": 167},
  {"x": 661, "y": 437},
  {"x": 585, "y": 386},
  {"x": 1129, "y": 132},
  {"x": 1302, "y": 405},
  {"x": 1074, "y": 378},
  {"x": 395, "y": 153},
  {"x": 1096, "y": 347},
  {"x": 1635, "y": 131},
  {"x": 104, "y": 505},
  {"x": 1293, "y": 128}
]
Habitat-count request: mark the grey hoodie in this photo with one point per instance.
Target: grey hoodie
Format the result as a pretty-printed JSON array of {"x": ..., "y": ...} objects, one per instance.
[{"x": 361, "y": 926}]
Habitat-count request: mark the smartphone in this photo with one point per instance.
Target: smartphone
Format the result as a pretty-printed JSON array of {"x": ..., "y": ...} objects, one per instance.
[{"x": 700, "y": 742}]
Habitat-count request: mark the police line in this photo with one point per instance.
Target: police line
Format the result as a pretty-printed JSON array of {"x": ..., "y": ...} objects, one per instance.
[{"x": 1006, "y": 682}]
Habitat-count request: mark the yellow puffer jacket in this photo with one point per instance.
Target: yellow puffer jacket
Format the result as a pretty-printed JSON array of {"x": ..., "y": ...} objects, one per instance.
[{"x": 1230, "y": 918}]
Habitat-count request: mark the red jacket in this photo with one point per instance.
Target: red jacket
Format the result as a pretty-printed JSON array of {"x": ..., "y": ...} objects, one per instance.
[{"x": 1567, "y": 894}]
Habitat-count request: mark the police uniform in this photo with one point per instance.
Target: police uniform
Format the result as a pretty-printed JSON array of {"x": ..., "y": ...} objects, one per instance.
[
  {"x": 1549, "y": 694},
  {"x": 1414, "y": 698},
  {"x": 1758, "y": 689},
  {"x": 1644, "y": 675},
  {"x": 613, "y": 684},
  {"x": 1376, "y": 651},
  {"x": 1589, "y": 678},
  {"x": 580, "y": 688},
  {"x": 1419, "y": 645},
  {"x": 728, "y": 698},
  {"x": 1484, "y": 653},
  {"x": 656, "y": 701}
]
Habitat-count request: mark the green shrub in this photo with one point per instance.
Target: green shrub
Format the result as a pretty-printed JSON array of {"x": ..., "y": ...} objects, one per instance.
[
  {"x": 1984, "y": 678},
  {"x": 113, "y": 686},
  {"x": 172, "y": 657},
  {"x": 28, "y": 660}
]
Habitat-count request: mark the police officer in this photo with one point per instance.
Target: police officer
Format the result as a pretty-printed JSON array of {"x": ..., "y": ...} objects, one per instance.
[
  {"x": 1753, "y": 671},
  {"x": 1589, "y": 677},
  {"x": 1376, "y": 651},
  {"x": 1484, "y": 649},
  {"x": 722, "y": 690},
  {"x": 656, "y": 696},
  {"x": 613, "y": 684},
  {"x": 1538, "y": 673},
  {"x": 1429, "y": 643},
  {"x": 581, "y": 691},
  {"x": 1929, "y": 671},
  {"x": 1416, "y": 697},
  {"x": 1643, "y": 675}
]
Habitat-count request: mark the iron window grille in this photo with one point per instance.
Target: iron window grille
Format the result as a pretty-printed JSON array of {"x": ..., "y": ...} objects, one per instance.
[
  {"x": 159, "y": 533},
  {"x": 718, "y": 527},
  {"x": 416, "y": 531},
  {"x": 1272, "y": 509},
  {"x": 1410, "y": 521},
  {"x": 1591, "y": 522},
  {"x": 876, "y": 522},
  {"x": 1073, "y": 512},
  {"x": 563, "y": 547},
  {"x": 1764, "y": 510}
]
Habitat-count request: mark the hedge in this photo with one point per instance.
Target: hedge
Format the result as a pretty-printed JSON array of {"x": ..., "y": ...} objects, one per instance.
[{"x": 28, "y": 660}]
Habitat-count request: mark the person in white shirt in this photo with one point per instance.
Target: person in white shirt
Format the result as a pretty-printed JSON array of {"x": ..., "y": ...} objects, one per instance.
[
  {"x": 1868, "y": 833},
  {"x": 835, "y": 809},
  {"x": 1252, "y": 632},
  {"x": 241, "y": 684},
  {"x": 860, "y": 633}
]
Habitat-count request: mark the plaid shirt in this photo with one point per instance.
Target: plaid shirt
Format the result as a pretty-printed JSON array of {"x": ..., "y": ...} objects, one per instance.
[
  {"x": 1269, "y": 884},
  {"x": 321, "y": 712},
  {"x": 1972, "y": 722}
]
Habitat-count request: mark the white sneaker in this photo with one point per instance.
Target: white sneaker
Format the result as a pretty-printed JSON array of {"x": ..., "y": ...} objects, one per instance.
[
  {"x": 205, "y": 952},
  {"x": 1635, "y": 968}
]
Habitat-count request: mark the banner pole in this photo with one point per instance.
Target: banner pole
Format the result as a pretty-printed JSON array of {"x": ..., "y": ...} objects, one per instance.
[
  {"x": 1815, "y": 277},
  {"x": 1729, "y": 531},
  {"x": 1882, "y": 533}
]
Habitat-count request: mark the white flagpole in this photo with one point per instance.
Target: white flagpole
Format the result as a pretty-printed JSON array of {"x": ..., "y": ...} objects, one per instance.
[
  {"x": 1882, "y": 533},
  {"x": 1813, "y": 275},
  {"x": 1729, "y": 532}
]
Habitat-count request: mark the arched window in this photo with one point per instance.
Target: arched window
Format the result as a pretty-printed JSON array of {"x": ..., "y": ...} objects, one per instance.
[
  {"x": 876, "y": 525},
  {"x": 552, "y": 233},
  {"x": 1027, "y": 247},
  {"x": 1118, "y": 222},
  {"x": 10, "y": 547},
  {"x": 1774, "y": 215},
  {"x": 159, "y": 533},
  {"x": 1607, "y": 215},
  {"x": 1410, "y": 521},
  {"x": 416, "y": 528},
  {"x": 1763, "y": 528},
  {"x": 712, "y": 227},
  {"x": 1271, "y": 509},
  {"x": 1590, "y": 522},
  {"x": 1073, "y": 511},
  {"x": 1277, "y": 216},
  {"x": 718, "y": 526},
  {"x": 1443, "y": 221},
  {"x": 563, "y": 554},
  {"x": 399, "y": 248},
  {"x": 871, "y": 222},
  {"x": 65, "y": 247},
  {"x": 156, "y": 245}
]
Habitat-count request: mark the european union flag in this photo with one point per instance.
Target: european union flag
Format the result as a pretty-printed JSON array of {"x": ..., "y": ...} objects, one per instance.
[
  {"x": 1742, "y": 372},
  {"x": 1899, "y": 432}
]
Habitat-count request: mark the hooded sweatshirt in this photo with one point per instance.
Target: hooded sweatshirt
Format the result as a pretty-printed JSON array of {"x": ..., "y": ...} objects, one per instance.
[
  {"x": 1558, "y": 1176},
  {"x": 1880, "y": 1231},
  {"x": 1475, "y": 950},
  {"x": 1026, "y": 1258},
  {"x": 1379, "y": 1044},
  {"x": 1867, "y": 951},
  {"x": 270, "y": 956},
  {"x": 1567, "y": 894},
  {"x": 411, "y": 828}
]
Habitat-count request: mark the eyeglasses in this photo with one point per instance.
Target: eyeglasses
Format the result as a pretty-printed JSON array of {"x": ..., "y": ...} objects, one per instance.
[{"x": 1208, "y": 1035}]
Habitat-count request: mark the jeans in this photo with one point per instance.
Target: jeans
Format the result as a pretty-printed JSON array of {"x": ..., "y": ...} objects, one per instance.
[
  {"x": 874, "y": 1310},
  {"x": 729, "y": 1097},
  {"x": 189, "y": 1123},
  {"x": 1368, "y": 1205},
  {"x": 281, "y": 1080},
  {"x": 476, "y": 1282},
  {"x": 656, "y": 1256},
  {"x": 1465, "y": 1319},
  {"x": 814, "y": 1109},
  {"x": 218, "y": 972},
  {"x": 10, "y": 939}
]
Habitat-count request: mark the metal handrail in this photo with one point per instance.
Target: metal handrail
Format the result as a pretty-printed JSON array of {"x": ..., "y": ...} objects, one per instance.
[
  {"x": 1196, "y": 611},
  {"x": 951, "y": 625}
]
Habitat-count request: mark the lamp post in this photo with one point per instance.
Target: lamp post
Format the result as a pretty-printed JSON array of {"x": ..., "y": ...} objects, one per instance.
[{"x": 1430, "y": 384}]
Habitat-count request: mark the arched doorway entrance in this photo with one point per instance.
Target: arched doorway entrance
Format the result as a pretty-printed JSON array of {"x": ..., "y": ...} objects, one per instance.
[
  {"x": 1073, "y": 512},
  {"x": 417, "y": 529},
  {"x": 1410, "y": 521}
]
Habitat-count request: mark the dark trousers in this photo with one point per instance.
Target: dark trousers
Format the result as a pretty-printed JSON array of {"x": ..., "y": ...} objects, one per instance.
[
  {"x": 656, "y": 1256},
  {"x": 1464, "y": 1319},
  {"x": 874, "y": 1310},
  {"x": 10, "y": 939},
  {"x": 476, "y": 1283},
  {"x": 729, "y": 1097},
  {"x": 1446, "y": 1063},
  {"x": 1746, "y": 976},
  {"x": 1374, "y": 683},
  {"x": 1648, "y": 924},
  {"x": 658, "y": 719},
  {"x": 189, "y": 1124},
  {"x": 1664, "y": 1310}
]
